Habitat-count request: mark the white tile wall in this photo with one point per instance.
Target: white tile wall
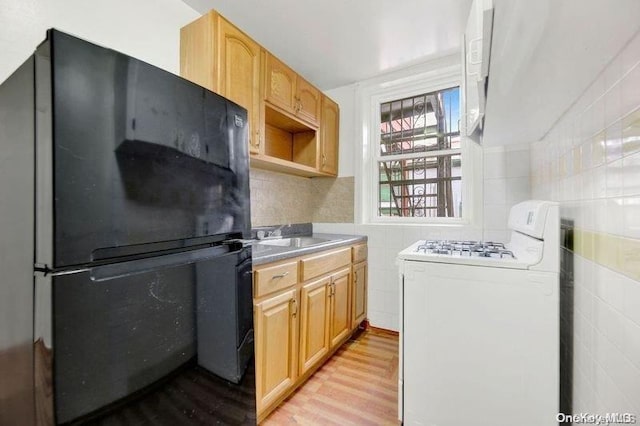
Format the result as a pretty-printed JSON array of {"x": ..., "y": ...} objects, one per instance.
[
  {"x": 606, "y": 343},
  {"x": 506, "y": 182},
  {"x": 590, "y": 163}
]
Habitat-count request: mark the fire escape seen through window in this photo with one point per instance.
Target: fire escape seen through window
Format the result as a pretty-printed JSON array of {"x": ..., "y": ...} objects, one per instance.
[{"x": 419, "y": 160}]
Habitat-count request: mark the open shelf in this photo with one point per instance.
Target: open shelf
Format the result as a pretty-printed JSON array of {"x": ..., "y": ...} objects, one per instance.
[{"x": 290, "y": 140}]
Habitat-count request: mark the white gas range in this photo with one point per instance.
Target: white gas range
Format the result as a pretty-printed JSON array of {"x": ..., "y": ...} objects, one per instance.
[{"x": 479, "y": 338}]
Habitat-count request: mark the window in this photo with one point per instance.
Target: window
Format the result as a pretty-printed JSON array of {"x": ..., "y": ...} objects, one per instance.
[
  {"x": 419, "y": 158},
  {"x": 414, "y": 165}
]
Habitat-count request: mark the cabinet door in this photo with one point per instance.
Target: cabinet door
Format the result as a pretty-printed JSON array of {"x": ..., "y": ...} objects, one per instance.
[
  {"x": 308, "y": 102},
  {"x": 359, "y": 294},
  {"x": 276, "y": 327},
  {"x": 240, "y": 75},
  {"x": 280, "y": 84},
  {"x": 340, "y": 307},
  {"x": 329, "y": 136},
  {"x": 314, "y": 323}
]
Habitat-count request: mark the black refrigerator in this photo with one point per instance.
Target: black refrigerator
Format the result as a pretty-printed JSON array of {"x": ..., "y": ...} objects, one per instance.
[{"x": 126, "y": 290}]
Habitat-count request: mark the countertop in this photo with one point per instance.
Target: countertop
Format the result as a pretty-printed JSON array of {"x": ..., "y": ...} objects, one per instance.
[{"x": 266, "y": 254}]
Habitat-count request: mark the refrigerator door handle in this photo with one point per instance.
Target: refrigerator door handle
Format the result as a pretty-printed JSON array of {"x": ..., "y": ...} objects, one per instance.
[{"x": 121, "y": 269}]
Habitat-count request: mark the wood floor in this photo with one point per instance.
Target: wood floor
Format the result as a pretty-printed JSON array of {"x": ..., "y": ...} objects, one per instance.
[{"x": 357, "y": 386}]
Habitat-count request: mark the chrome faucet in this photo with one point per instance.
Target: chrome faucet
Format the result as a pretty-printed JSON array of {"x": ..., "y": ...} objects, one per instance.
[{"x": 274, "y": 233}]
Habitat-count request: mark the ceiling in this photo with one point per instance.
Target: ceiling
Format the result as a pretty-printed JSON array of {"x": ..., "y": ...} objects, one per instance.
[{"x": 336, "y": 42}]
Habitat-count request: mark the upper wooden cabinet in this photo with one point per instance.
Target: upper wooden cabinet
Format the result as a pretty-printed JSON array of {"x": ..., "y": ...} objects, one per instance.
[
  {"x": 280, "y": 87},
  {"x": 329, "y": 136},
  {"x": 217, "y": 55},
  {"x": 308, "y": 101},
  {"x": 287, "y": 90},
  {"x": 286, "y": 116}
]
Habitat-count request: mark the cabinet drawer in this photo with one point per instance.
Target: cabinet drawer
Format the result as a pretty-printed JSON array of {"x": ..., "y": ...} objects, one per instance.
[
  {"x": 320, "y": 264},
  {"x": 359, "y": 253},
  {"x": 268, "y": 279}
]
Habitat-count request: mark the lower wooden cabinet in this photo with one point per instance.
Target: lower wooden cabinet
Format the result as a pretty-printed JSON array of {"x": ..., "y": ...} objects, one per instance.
[
  {"x": 314, "y": 323},
  {"x": 359, "y": 294},
  {"x": 340, "y": 325},
  {"x": 276, "y": 326},
  {"x": 304, "y": 309}
]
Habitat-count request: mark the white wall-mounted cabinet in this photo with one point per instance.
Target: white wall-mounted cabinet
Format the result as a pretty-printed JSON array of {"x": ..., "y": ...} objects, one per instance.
[
  {"x": 544, "y": 55},
  {"x": 476, "y": 53}
]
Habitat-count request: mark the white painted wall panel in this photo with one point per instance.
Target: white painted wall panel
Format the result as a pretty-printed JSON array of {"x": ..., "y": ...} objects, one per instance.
[{"x": 146, "y": 29}]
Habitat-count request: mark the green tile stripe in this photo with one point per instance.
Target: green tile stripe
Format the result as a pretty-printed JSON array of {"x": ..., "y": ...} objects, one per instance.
[{"x": 617, "y": 253}]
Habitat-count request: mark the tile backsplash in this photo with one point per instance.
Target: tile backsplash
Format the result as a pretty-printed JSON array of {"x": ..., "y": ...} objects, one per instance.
[
  {"x": 590, "y": 163},
  {"x": 278, "y": 198}
]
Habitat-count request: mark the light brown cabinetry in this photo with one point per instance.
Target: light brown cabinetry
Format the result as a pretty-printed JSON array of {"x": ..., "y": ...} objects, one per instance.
[
  {"x": 287, "y": 90},
  {"x": 271, "y": 278},
  {"x": 217, "y": 55},
  {"x": 308, "y": 102},
  {"x": 340, "y": 326},
  {"x": 285, "y": 110},
  {"x": 330, "y": 124},
  {"x": 359, "y": 284},
  {"x": 303, "y": 311},
  {"x": 318, "y": 264},
  {"x": 315, "y": 312},
  {"x": 359, "y": 294},
  {"x": 276, "y": 347},
  {"x": 280, "y": 86}
]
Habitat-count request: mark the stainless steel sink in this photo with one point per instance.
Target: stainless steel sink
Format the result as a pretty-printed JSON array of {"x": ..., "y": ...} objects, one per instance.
[{"x": 294, "y": 242}]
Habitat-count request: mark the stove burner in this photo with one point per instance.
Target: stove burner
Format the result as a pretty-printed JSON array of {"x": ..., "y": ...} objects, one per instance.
[{"x": 488, "y": 249}]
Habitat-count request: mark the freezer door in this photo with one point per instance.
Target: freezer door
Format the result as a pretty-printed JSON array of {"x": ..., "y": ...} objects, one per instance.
[
  {"x": 141, "y": 157},
  {"x": 122, "y": 327}
]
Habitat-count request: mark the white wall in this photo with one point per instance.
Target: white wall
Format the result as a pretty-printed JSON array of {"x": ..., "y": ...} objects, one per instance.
[
  {"x": 590, "y": 163},
  {"x": 506, "y": 182},
  {"x": 146, "y": 29}
]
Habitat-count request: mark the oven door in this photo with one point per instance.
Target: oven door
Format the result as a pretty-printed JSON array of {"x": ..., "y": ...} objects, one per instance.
[{"x": 225, "y": 315}]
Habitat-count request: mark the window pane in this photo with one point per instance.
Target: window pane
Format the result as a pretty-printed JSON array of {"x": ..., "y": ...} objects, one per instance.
[
  {"x": 421, "y": 187},
  {"x": 422, "y": 123},
  {"x": 430, "y": 185}
]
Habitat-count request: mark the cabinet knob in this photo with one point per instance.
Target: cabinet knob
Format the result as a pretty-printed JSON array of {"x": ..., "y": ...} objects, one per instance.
[
  {"x": 294, "y": 309},
  {"x": 282, "y": 275},
  {"x": 324, "y": 159}
]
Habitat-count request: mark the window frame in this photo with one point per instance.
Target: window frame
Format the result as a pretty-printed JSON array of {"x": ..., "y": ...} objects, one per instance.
[{"x": 371, "y": 96}]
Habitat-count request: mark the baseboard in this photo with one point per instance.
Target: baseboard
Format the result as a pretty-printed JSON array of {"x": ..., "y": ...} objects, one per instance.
[{"x": 368, "y": 326}]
